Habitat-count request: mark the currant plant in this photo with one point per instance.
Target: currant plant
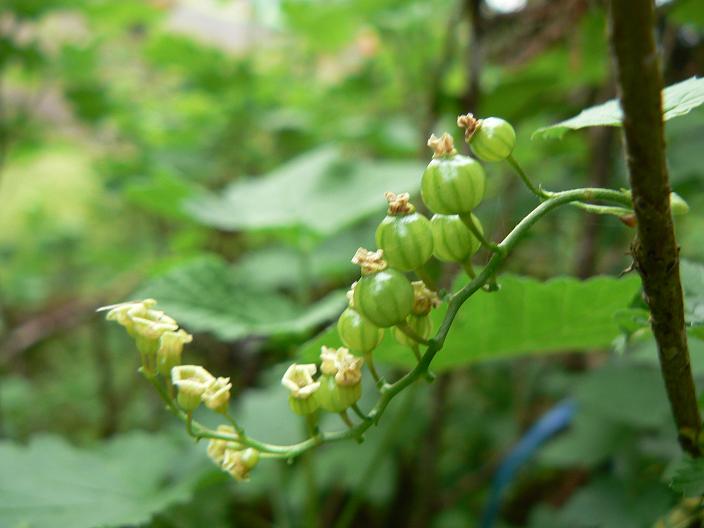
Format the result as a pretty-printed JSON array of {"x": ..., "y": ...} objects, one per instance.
[{"x": 384, "y": 296}]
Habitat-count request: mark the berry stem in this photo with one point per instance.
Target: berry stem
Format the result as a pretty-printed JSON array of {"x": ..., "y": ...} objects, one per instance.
[
  {"x": 535, "y": 190},
  {"x": 423, "y": 275},
  {"x": 491, "y": 246},
  {"x": 359, "y": 412},
  {"x": 469, "y": 269},
  {"x": 233, "y": 422},
  {"x": 345, "y": 418},
  {"x": 406, "y": 329},
  {"x": 369, "y": 360},
  {"x": 429, "y": 376}
]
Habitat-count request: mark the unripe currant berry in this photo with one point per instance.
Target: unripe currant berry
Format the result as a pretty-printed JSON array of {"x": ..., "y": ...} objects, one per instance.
[
  {"x": 420, "y": 324},
  {"x": 357, "y": 333},
  {"x": 404, "y": 234},
  {"x": 383, "y": 295},
  {"x": 451, "y": 183},
  {"x": 336, "y": 398},
  {"x": 452, "y": 239},
  {"x": 491, "y": 139}
]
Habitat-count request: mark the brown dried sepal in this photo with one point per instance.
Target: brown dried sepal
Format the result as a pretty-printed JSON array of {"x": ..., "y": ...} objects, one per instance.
[
  {"x": 442, "y": 146},
  {"x": 469, "y": 123},
  {"x": 424, "y": 299},
  {"x": 370, "y": 261},
  {"x": 399, "y": 204}
]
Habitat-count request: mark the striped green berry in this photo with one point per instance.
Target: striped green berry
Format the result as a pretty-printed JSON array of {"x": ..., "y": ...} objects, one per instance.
[
  {"x": 452, "y": 240},
  {"x": 357, "y": 333},
  {"x": 453, "y": 184},
  {"x": 493, "y": 139},
  {"x": 334, "y": 397},
  {"x": 385, "y": 298},
  {"x": 407, "y": 240}
]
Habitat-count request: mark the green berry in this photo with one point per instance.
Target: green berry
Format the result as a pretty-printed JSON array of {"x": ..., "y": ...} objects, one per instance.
[
  {"x": 404, "y": 235},
  {"x": 493, "y": 139},
  {"x": 452, "y": 240},
  {"x": 452, "y": 184},
  {"x": 304, "y": 406},
  {"x": 385, "y": 297},
  {"x": 336, "y": 398},
  {"x": 357, "y": 333},
  {"x": 422, "y": 325}
]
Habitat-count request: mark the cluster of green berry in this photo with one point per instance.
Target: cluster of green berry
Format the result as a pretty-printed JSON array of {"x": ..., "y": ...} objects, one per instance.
[{"x": 452, "y": 186}]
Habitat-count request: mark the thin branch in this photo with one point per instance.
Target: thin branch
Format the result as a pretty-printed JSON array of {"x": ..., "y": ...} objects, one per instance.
[
  {"x": 389, "y": 391},
  {"x": 655, "y": 249}
]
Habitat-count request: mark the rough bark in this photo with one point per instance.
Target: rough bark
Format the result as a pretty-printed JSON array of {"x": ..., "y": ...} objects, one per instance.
[{"x": 655, "y": 250}]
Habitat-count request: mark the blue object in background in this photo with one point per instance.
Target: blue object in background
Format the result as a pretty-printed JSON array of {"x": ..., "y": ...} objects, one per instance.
[{"x": 551, "y": 423}]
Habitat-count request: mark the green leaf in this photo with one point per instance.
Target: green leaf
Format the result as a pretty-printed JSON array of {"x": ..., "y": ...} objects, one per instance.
[
  {"x": 207, "y": 295},
  {"x": 688, "y": 477},
  {"x": 612, "y": 502},
  {"x": 678, "y": 99},
  {"x": 524, "y": 317},
  {"x": 318, "y": 193},
  {"x": 50, "y": 483}
]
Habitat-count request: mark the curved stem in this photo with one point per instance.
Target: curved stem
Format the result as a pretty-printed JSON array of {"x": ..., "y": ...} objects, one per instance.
[
  {"x": 469, "y": 222},
  {"x": 468, "y": 268},
  {"x": 369, "y": 360},
  {"x": 423, "y": 275},
  {"x": 540, "y": 193},
  {"x": 410, "y": 333},
  {"x": 389, "y": 391}
]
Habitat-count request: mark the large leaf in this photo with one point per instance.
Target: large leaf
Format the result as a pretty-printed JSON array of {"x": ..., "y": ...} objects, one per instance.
[
  {"x": 317, "y": 193},
  {"x": 688, "y": 477},
  {"x": 678, "y": 99},
  {"x": 50, "y": 483},
  {"x": 525, "y": 316},
  {"x": 206, "y": 295}
]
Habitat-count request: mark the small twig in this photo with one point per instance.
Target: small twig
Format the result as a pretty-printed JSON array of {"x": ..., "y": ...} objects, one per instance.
[
  {"x": 540, "y": 193},
  {"x": 469, "y": 222},
  {"x": 410, "y": 333}
]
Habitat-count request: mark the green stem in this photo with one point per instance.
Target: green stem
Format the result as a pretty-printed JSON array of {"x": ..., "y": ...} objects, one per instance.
[
  {"x": 535, "y": 190},
  {"x": 369, "y": 360},
  {"x": 345, "y": 418},
  {"x": 469, "y": 269},
  {"x": 603, "y": 209},
  {"x": 233, "y": 422},
  {"x": 469, "y": 222},
  {"x": 410, "y": 333},
  {"x": 355, "y": 408},
  {"x": 423, "y": 275},
  {"x": 389, "y": 391}
]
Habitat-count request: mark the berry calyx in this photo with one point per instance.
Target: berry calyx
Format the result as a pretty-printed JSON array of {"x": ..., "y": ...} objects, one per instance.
[
  {"x": 491, "y": 139},
  {"x": 424, "y": 299},
  {"x": 452, "y": 240},
  {"x": 451, "y": 184},
  {"x": 383, "y": 296},
  {"x": 298, "y": 379},
  {"x": 404, "y": 234}
]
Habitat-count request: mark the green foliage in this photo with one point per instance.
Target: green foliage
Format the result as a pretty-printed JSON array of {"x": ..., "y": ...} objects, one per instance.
[
  {"x": 688, "y": 477},
  {"x": 317, "y": 194},
  {"x": 206, "y": 295},
  {"x": 524, "y": 317},
  {"x": 678, "y": 99},
  {"x": 50, "y": 483}
]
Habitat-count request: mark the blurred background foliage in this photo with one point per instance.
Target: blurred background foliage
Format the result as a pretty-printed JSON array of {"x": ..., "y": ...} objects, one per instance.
[{"x": 227, "y": 158}]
